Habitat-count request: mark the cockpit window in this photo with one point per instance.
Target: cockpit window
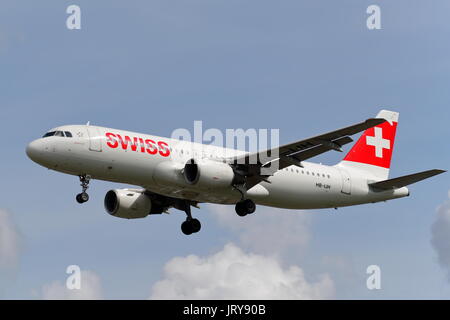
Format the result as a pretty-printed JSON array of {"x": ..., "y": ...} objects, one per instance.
[
  {"x": 49, "y": 134},
  {"x": 58, "y": 134}
]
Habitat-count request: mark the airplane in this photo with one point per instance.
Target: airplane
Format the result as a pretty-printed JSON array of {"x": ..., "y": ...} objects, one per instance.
[{"x": 182, "y": 174}]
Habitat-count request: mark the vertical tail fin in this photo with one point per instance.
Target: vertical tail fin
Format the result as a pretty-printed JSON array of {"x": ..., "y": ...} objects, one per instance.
[{"x": 372, "y": 153}]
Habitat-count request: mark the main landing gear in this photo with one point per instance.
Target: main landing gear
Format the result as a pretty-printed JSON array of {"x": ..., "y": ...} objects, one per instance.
[
  {"x": 245, "y": 207},
  {"x": 83, "y": 196},
  {"x": 191, "y": 225}
]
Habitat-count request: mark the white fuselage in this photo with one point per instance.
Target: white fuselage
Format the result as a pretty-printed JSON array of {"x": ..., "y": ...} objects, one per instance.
[{"x": 156, "y": 163}]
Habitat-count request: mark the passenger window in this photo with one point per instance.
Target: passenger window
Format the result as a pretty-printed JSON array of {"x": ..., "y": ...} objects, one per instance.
[
  {"x": 68, "y": 134},
  {"x": 312, "y": 173},
  {"x": 328, "y": 176}
]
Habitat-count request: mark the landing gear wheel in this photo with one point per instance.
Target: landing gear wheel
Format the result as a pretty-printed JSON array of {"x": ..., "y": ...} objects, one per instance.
[
  {"x": 191, "y": 226},
  {"x": 240, "y": 210},
  {"x": 196, "y": 225},
  {"x": 82, "y": 197},
  {"x": 245, "y": 207},
  {"x": 249, "y": 206},
  {"x": 186, "y": 228}
]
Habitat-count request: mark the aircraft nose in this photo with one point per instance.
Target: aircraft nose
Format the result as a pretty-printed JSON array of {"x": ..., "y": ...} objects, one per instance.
[{"x": 34, "y": 150}]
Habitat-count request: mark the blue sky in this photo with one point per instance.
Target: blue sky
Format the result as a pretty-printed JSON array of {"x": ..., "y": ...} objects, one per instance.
[{"x": 154, "y": 66}]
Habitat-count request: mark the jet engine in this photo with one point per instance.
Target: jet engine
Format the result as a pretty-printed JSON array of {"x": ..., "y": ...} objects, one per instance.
[
  {"x": 208, "y": 174},
  {"x": 127, "y": 204}
]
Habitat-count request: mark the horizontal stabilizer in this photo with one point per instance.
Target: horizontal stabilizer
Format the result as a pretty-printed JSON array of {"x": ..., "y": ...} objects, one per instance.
[{"x": 405, "y": 180}]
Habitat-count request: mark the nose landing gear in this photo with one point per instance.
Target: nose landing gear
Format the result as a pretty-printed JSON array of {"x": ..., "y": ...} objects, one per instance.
[{"x": 83, "y": 196}]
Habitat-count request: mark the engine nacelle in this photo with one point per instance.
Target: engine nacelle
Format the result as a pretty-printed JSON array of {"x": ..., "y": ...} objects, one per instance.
[
  {"x": 127, "y": 204},
  {"x": 208, "y": 174}
]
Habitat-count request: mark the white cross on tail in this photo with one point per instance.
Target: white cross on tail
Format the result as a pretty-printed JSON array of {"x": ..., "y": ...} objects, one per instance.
[{"x": 378, "y": 142}]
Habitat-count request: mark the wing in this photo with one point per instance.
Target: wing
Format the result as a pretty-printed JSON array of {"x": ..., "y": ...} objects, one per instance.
[{"x": 250, "y": 164}]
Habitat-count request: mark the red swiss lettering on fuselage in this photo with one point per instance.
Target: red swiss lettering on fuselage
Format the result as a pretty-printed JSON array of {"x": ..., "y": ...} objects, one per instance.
[{"x": 148, "y": 145}]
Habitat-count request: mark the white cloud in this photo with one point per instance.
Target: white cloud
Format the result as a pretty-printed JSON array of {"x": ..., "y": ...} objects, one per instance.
[
  {"x": 440, "y": 235},
  {"x": 231, "y": 273},
  {"x": 269, "y": 235},
  {"x": 9, "y": 241},
  {"x": 234, "y": 274},
  {"x": 268, "y": 230},
  {"x": 91, "y": 289}
]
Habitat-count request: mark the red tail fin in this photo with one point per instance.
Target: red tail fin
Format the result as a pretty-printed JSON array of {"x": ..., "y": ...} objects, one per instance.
[{"x": 374, "y": 149}]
